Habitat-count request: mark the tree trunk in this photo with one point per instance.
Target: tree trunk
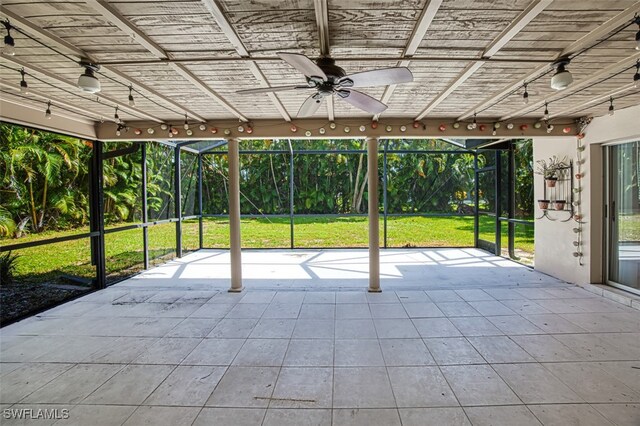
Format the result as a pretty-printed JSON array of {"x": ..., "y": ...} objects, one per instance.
[
  {"x": 33, "y": 207},
  {"x": 44, "y": 203}
]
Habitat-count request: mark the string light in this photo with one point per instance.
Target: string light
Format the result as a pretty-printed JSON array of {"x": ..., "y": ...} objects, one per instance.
[
  {"x": 9, "y": 48},
  {"x": 24, "y": 87},
  {"x": 116, "y": 117},
  {"x": 475, "y": 122},
  {"x": 132, "y": 102},
  {"x": 545, "y": 116},
  {"x": 525, "y": 95},
  {"x": 47, "y": 113},
  {"x": 611, "y": 109},
  {"x": 549, "y": 127},
  {"x": 636, "y": 76},
  {"x": 186, "y": 123},
  {"x": 636, "y": 19}
]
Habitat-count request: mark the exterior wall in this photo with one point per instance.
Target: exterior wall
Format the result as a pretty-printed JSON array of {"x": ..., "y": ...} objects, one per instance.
[{"x": 554, "y": 240}]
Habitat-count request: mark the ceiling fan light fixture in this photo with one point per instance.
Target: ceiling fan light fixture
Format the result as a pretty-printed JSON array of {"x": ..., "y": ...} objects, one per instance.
[
  {"x": 87, "y": 81},
  {"x": 562, "y": 78}
]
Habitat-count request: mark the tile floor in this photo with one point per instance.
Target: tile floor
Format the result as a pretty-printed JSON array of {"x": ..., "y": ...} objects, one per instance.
[{"x": 457, "y": 337}]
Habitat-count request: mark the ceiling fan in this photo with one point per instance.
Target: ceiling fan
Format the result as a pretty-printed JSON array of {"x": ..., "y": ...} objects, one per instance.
[{"x": 328, "y": 79}]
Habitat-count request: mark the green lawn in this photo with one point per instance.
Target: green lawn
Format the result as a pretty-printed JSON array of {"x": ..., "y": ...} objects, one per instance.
[{"x": 124, "y": 249}]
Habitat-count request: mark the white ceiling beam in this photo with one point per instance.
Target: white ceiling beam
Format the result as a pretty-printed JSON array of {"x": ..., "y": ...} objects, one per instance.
[
  {"x": 321, "y": 9},
  {"x": 601, "y": 98},
  {"x": 419, "y": 31},
  {"x": 34, "y": 104},
  {"x": 113, "y": 16},
  {"x": 216, "y": 11},
  {"x": 521, "y": 21},
  {"x": 124, "y": 106},
  {"x": 587, "y": 40},
  {"x": 51, "y": 38},
  {"x": 594, "y": 79}
]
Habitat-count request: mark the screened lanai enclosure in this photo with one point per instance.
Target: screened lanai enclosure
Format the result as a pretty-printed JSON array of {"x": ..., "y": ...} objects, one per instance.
[{"x": 162, "y": 200}]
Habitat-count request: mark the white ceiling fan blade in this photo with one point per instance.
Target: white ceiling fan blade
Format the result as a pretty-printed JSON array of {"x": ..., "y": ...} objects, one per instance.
[
  {"x": 362, "y": 101},
  {"x": 310, "y": 106},
  {"x": 271, "y": 89},
  {"x": 381, "y": 77},
  {"x": 303, "y": 64}
]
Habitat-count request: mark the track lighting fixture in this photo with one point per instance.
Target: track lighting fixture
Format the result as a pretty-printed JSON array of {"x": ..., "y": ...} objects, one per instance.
[
  {"x": 636, "y": 76},
  {"x": 88, "y": 81},
  {"x": 186, "y": 122},
  {"x": 116, "y": 117},
  {"x": 562, "y": 78},
  {"x": 474, "y": 124},
  {"x": 47, "y": 113},
  {"x": 525, "y": 95},
  {"x": 24, "y": 87},
  {"x": 545, "y": 116},
  {"x": 9, "y": 48},
  {"x": 132, "y": 101},
  {"x": 611, "y": 109}
]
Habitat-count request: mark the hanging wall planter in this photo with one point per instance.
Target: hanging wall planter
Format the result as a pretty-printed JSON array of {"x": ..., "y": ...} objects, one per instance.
[
  {"x": 559, "y": 204},
  {"x": 551, "y": 182}
]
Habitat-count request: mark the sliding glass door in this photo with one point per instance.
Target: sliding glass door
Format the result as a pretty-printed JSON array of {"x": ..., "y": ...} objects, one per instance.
[{"x": 623, "y": 215}]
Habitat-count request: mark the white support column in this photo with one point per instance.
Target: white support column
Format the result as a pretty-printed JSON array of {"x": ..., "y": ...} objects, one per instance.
[
  {"x": 234, "y": 216},
  {"x": 374, "y": 224}
]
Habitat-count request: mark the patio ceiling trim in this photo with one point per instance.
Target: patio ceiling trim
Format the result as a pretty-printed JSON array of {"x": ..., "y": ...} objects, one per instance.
[
  {"x": 585, "y": 41},
  {"x": 523, "y": 19},
  {"x": 606, "y": 72},
  {"x": 321, "y": 9},
  {"x": 118, "y": 20},
  {"x": 216, "y": 11},
  {"x": 53, "y": 39},
  {"x": 395, "y": 127},
  {"x": 122, "y": 105},
  {"x": 419, "y": 31}
]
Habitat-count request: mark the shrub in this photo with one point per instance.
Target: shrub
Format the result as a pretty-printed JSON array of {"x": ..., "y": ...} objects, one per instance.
[{"x": 8, "y": 264}]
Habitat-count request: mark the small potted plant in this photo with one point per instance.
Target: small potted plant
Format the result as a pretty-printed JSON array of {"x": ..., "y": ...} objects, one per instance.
[
  {"x": 543, "y": 204},
  {"x": 559, "y": 204},
  {"x": 551, "y": 169}
]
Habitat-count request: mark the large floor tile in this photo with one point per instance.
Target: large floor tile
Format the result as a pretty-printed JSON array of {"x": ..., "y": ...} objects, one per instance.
[
  {"x": 420, "y": 387},
  {"x": 433, "y": 417},
  {"x": 98, "y": 415},
  {"x": 546, "y": 348},
  {"x": 273, "y": 329},
  {"x": 28, "y": 378},
  {"x": 620, "y": 414},
  {"x": 74, "y": 385},
  {"x": 315, "y": 329},
  {"x": 453, "y": 350},
  {"x": 435, "y": 327},
  {"x": 245, "y": 387},
  {"x": 510, "y": 415},
  {"x": 592, "y": 383},
  {"x": 499, "y": 349},
  {"x": 131, "y": 385},
  {"x": 366, "y": 417},
  {"x": 355, "y": 329},
  {"x": 187, "y": 386},
  {"x": 230, "y": 417},
  {"x": 163, "y": 416},
  {"x": 362, "y": 387},
  {"x": 476, "y": 326},
  {"x": 395, "y": 329},
  {"x": 478, "y": 385},
  {"x": 361, "y": 352},
  {"x": 296, "y": 417},
  {"x": 535, "y": 385},
  {"x": 262, "y": 353},
  {"x": 168, "y": 350},
  {"x": 303, "y": 387},
  {"x": 405, "y": 352},
  {"x": 569, "y": 414},
  {"x": 309, "y": 353},
  {"x": 214, "y": 352}
]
